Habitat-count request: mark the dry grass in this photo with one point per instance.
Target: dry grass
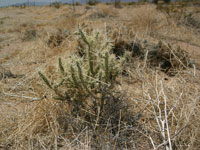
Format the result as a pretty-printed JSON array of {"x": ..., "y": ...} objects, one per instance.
[
  {"x": 165, "y": 108},
  {"x": 147, "y": 18},
  {"x": 182, "y": 103}
]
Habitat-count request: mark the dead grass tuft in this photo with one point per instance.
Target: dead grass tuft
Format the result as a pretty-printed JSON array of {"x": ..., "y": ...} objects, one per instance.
[
  {"x": 29, "y": 34},
  {"x": 162, "y": 55},
  {"x": 57, "y": 39}
]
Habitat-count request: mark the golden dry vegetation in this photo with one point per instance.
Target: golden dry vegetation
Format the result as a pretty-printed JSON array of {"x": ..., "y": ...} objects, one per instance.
[{"x": 159, "y": 83}]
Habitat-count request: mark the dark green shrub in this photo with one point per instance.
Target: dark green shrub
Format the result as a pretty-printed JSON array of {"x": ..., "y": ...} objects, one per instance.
[
  {"x": 117, "y": 4},
  {"x": 92, "y": 2},
  {"x": 155, "y": 1},
  {"x": 29, "y": 34},
  {"x": 77, "y": 4},
  {"x": 56, "y": 5},
  {"x": 167, "y": 1}
]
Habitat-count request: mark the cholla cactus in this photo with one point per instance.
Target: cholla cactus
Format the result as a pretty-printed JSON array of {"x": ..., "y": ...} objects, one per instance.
[{"x": 85, "y": 78}]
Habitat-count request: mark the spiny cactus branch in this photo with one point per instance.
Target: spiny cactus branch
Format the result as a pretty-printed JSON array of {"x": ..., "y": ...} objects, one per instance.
[
  {"x": 83, "y": 82},
  {"x": 106, "y": 68},
  {"x": 61, "y": 66},
  {"x": 45, "y": 80}
]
